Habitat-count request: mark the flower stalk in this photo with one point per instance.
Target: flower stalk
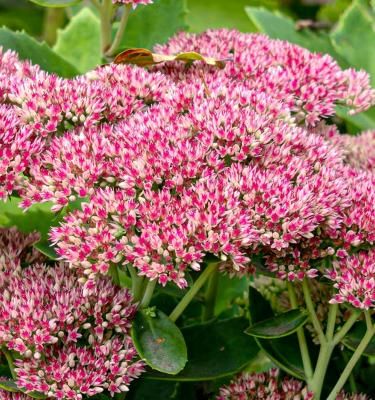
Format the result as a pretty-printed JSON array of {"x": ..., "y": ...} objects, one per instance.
[
  {"x": 120, "y": 32},
  {"x": 185, "y": 301}
]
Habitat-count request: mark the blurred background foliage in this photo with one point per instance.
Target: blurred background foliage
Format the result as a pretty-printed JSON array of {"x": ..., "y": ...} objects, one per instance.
[{"x": 201, "y": 15}]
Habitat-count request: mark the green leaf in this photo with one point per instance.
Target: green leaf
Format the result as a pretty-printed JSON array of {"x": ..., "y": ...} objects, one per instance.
[
  {"x": 363, "y": 121},
  {"x": 154, "y": 23},
  {"x": 215, "y": 350},
  {"x": 282, "y": 325},
  {"x": 39, "y": 217},
  {"x": 213, "y": 14},
  {"x": 38, "y": 53},
  {"x": 281, "y": 351},
  {"x": 279, "y": 26},
  {"x": 354, "y": 337},
  {"x": 159, "y": 341},
  {"x": 56, "y": 3},
  {"x": 45, "y": 247},
  {"x": 355, "y": 35},
  {"x": 146, "y": 389},
  {"x": 79, "y": 42},
  {"x": 231, "y": 290},
  {"x": 9, "y": 386}
]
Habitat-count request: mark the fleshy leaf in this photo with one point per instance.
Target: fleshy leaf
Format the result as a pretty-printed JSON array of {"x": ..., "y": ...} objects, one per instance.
[
  {"x": 354, "y": 337},
  {"x": 279, "y": 26},
  {"x": 215, "y": 350},
  {"x": 159, "y": 341},
  {"x": 144, "y": 57},
  {"x": 354, "y": 35},
  {"x": 154, "y": 23},
  {"x": 28, "y": 48},
  {"x": 79, "y": 42},
  {"x": 11, "y": 386},
  {"x": 55, "y": 3},
  {"x": 281, "y": 325},
  {"x": 281, "y": 351}
]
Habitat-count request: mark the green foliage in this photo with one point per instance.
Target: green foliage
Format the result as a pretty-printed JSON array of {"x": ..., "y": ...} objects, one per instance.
[
  {"x": 154, "y": 24},
  {"x": 39, "y": 53},
  {"x": 79, "y": 42},
  {"x": 55, "y": 3},
  {"x": 146, "y": 389},
  {"x": 159, "y": 341},
  {"x": 38, "y": 218},
  {"x": 354, "y": 337},
  {"x": 278, "y": 26},
  {"x": 282, "y": 351},
  {"x": 21, "y": 15},
  {"x": 231, "y": 290},
  {"x": 11, "y": 386},
  {"x": 211, "y": 14},
  {"x": 279, "y": 326},
  {"x": 354, "y": 36},
  {"x": 215, "y": 350}
]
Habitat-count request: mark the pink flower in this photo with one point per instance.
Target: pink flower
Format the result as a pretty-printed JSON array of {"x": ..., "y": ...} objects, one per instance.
[{"x": 264, "y": 386}]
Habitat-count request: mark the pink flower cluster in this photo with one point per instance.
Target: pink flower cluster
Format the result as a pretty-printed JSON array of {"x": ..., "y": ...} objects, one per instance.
[
  {"x": 180, "y": 161},
  {"x": 4, "y": 395},
  {"x": 134, "y": 3},
  {"x": 264, "y": 386},
  {"x": 14, "y": 248},
  {"x": 354, "y": 278},
  {"x": 67, "y": 344}
]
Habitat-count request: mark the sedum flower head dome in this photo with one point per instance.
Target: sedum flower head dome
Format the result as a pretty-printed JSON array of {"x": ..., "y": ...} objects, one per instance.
[{"x": 67, "y": 344}]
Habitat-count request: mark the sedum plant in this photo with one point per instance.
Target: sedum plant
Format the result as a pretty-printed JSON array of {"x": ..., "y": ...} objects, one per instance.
[{"x": 143, "y": 200}]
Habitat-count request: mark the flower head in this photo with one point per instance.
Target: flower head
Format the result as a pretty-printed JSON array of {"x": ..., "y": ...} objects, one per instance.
[
  {"x": 16, "y": 249},
  {"x": 354, "y": 279},
  {"x": 68, "y": 344},
  {"x": 264, "y": 386}
]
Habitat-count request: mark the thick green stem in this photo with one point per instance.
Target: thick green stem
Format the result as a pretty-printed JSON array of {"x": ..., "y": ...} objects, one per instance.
[
  {"x": 147, "y": 295},
  {"x": 185, "y": 301},
  {"x": 53, "y": 20},
  {"x": 324, "y": 358},
  {"x": 307, "y": 366},
  {"x": 352, "y": 382},
  {"x": 355, "y": 357},
  {"x": 137, "y": 283},
  {"x": 310, "y": 307},
  {"x": 346, "y": 327},
  {"x": 113, "y": 273},
  {"x": 106, "y": 26},
  {"x": 120, "y": 31},
  {"x": 210, "y": 296},
  {"x": 9, "y": 358},
  {"x": 332, "y": 313}
]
